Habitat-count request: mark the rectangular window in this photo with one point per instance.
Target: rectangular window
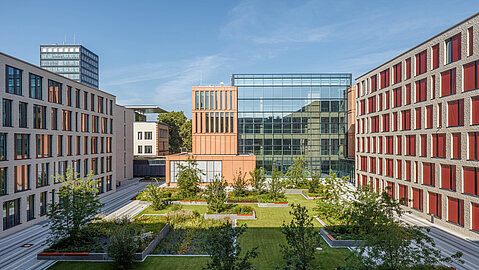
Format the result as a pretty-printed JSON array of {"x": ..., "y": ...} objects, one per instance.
[
  {"x": 389, "y": 167},
  {"x": 43, "y": 203},
  {"x": 455, "y": 111},
  {"x": 374, "y": 83},
  {"x": 403, "y": 196},
  {"x": 448, "y": 177},
  {"x": 423, "y": 145},
  {"x": 475, "y": 216},
  {"x": 435, "y": 56},
  {"x": 433, "y": 86},
  {"x": 399, "y": 169},
  {"x": 7, "y": 113},
  {"x": 411, "y": 145},
  {"x": 54, "y": 118},
  {"x": 69, "y": 145},
  {"x": 448, "y": 82},
  {"x": 77, "y": 98},
  {"x": 439, "y": 115},
  {"x": 22, "y": 178},
  {"x": 417, "y": 199},
  {"x": 389, "y": 144},
  {"x": 372, "y": 104},
  {"x": 69, "y": 95},
  {"x": 35, "y": 86},
  {"x": 397, "y": 97},
  {"x": 148, "y": 135},
  {"x": 395, "y": 121},
  {"x": 385, "y": 78},
  {"x": 439, "y": 145},
  {"x": 148, "y": 149},
  {"x": 408, "y": 94},
  {"x": 397, "y": 73},
  {"x": 408, "y": 171},
  {"x": 388, "y": 100},
  {"x": 399, "y": 145},
  {"x": 408, "y": 68},
  {"x": 421, "y": 62},
  {"x": 428, "y": 174},
  {"x": 455, "y": 211},
  {"x": 435, "y": 204},
  {"x": 456, "y": 145},
  {"x": 406, "y": 120},
  {"x": 22, "y": 146},
  {"x": 3, "y": 146},
  {"x": 39, "y": 117},
  {"x": 66, "y": 120},
  {"x": 471, "y": 76},
  {"x": 421, "y": 90},
  {"x": 453, "y": 49},
  {"x": 100, "y": 104},
  {"x": 11, "y": 213},
  {"x": 429, "y": 116},
  {"x": 92, "y": 104},
  {"x": 44, "y": 145},
  {"x": 470, "y": 41},
  {"x": 13, "y": 80},
  {"x": 470, "y": 184},
  {"x": 54, "y": 92},
  {"x": 43, "y": 173},
  {"x": 22, "y": 114},
  {"x": 418, "y": 118},
  {"x": 30, "y": 207},
  {"x": 475, "y": 110}
]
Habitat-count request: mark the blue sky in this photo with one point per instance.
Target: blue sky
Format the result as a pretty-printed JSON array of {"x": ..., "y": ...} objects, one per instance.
[{"x": 152, "y": 52}]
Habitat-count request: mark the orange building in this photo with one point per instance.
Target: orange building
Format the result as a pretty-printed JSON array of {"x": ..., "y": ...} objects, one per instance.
[{"x": 214, "y": 135}]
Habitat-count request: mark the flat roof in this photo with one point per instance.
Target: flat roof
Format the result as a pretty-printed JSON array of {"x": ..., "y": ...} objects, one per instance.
[{"x": 146, "y": 108}]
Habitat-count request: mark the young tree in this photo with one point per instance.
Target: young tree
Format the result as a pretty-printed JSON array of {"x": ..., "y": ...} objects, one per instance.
[
  {"x": 78, "y": 205},
  {"x": 179, "y": 129},
  {"x": 314, "y": 186},
  {"x": 225, "y": 250},
  {"x": 337, "y": 197},
  {"x": 216, "y": 195},
  {"x": 258, "y": 178},
  {"x": 239, "y": 184},
  {"x": 156, "y": 195},
  {"x": 122, "y": 248},
  {"x": 301, "y": 238},
  {"x": 189, "y": 178},
  {"x": 275, "y": 185},
  {"x": 297, "y": 172}
]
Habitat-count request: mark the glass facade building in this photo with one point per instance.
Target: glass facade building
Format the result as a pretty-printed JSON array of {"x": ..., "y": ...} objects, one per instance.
[
  {"x": 72, "y": 61},
  {"x": 281, "y": 116}
]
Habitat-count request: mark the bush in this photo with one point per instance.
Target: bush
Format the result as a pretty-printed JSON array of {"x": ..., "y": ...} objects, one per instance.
[
  {"x": 123, "y": 246},
  {"x": 239, "y": 184},
  {"x": 243, "y": 209},
  {"x": 216, "y": 195},
  {"x": 156, "y": 195}
]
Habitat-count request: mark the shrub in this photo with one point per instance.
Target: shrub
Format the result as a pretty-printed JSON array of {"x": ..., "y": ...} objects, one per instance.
[
  {"x": 123, "y": 246},
  {"x": 239, "y": 184},
  {"x": 156, "y": 195},
  {"x": 276, "y": 185},
  {"x": 216, "y": 195},
  {"x": 297, "y": 172},
  {"x": 258, "y": 179},
  {"x": 189, "y": 178},
  {"x": 243, "y": 209}
]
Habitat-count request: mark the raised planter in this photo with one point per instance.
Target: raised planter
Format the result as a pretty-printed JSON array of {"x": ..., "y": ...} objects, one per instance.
[
  {"x": 87, "y": 256},
  {"x": 277, "y": 204},
  {"x": 189, "y": 202},
  {"x": 294, "y": 190},
  {"x": 306, "y": 196},
  {"x": 230, "y": 216},
  {"x": 338, "y": 243}
]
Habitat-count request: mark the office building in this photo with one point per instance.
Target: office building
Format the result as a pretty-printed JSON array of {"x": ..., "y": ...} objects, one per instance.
[
  {"x": 281, "y": 116},
  {"x": 50, "y": 123},
  {"x": 72, "y": 61},
  {"x": 418, "y": 127},
  {"x": 214, "y": 137}
]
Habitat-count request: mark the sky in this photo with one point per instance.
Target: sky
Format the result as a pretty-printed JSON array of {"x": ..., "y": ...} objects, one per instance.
[{"x": 153, "y": 52}]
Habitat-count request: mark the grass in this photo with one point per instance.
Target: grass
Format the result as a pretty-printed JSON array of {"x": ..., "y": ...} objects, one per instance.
[{"x": 264, "y": 233}]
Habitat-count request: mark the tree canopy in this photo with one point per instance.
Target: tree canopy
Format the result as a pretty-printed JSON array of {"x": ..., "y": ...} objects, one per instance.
[{"x": 179, "y": 128}]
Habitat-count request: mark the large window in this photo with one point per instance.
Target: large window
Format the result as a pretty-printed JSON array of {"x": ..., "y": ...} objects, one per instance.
[
  {"x": 11, "y": 213},
  {"x": 421, "y": 90},
  {"x": 3, "y": 181},
  {"x": 435, "y": 204},
  {"x": 39, "y": 117},
  {"x": 7, "y": 113},
  {"x": 428, "y": 174},
  {"x": 474, "y": 145},
  {"x": 22, "y": 114},
  {"x": 54, "y": 92},
  {"x": 421, "y": 62},
  {"x": 455, "y": 113},
  {"x": 43, "y": 203},
  {"x": 148, "y": 135},
  {"x": 455, "y": 211},
  {"x": 66, "y": 120},
  {"x": 13, "y": 80},
  {"x": 417, "y": 199},
  {"x": 471, "y": 180},
  {"x": 22, "y": 146},
  {"x": 30, "y": 207},
  {"x": 397, "y": 73},
  {"x": 35, "y": 86},
  {"x": 22, "y": 178},
  {"x": 44, "y": 145},
  {"x": 148, "y": 149},
  {"x": 471, "y": 76},
  {"x": 448, "y": 82},
  {"x": 42, "y": 174},
  {"x": 448, "y": 177},
  {"x": 439, "y": 145},
  {"x": 453, "y": 49},
  {"x": 385, "y": 78},
  {"x": 210, "y": 169}
]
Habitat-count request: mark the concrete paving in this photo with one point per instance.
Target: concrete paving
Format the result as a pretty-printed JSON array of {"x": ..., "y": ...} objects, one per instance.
[{"x": 13, "y": 256}]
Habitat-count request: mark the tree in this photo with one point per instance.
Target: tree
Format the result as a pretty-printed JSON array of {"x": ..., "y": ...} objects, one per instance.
[
  {"x": 275, "y": 185},
  {"x": 78, "y": 205},
  {"x": 179, "y": 129},
  {"x": 258, "y": 178},
  {"x": 156, "y": 195},
  {"x": 225, "y": 250},
  {"x": 123, "y": 246},
  {"x": 297, "y": 173},
  {"x": 239, "y": 184},
  {"x": 189, "y": 178},
  {"x": 314, "y": 186},
  {"x": 301, "y": 238},
  {"x": 216, "y": 195},
  {"x": 336, "y": 197}
]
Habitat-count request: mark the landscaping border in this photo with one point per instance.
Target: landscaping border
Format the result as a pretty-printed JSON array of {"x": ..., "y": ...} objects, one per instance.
[
  {"x": 294, "y": 190},
  {"x": 189, "y": 202},
  {"x": 307, "y": 197},
  {"x": 231, "y": 216},
  {"x": 278, "y": 204},
  {"x": 338, "y": 243}
]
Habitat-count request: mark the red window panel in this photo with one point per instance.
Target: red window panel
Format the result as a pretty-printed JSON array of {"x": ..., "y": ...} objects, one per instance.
[
  {"x": 374, "y": 145},
  {"x": 357, "y": 126},
  {"x": 435, "y": 56},
  {"x": 389, "y": 145},
  {"x": 474, "y": 145},
  {"x": 397, "y": 97},
  {"x": 380, "y": 102},
  {"x": 439, "y": 115},
  {"x": 456, "y": 146},
  {"x": 369, "y": 144},
  {"x": 364, "y": 145},
  {"x": 384, "y": 78},
  {"x": 439, "y": 145},
  {"x": 380, "y": 145},
  {"x": 417, "y": 200},
  {"x": 397, "y": 73},
  {"x": 403, "y": 194},
  {"x": 435, "y": 201},
  {"x": 428, "y": 174},
  {"x": 448, "y": 82},
  {"x": 390, "y": 188},
  {"x": 363, "y": 125},
  {"x": 421, "y": 62},
  {"x": 455, "y": 210},
  {"x": 399, "y": 169},
  {"x": 471, "y": 76},
  {"x": 374, "y": 83},
  {"x": 475, "y": 110},
  {"x": 471, "y": 180},
  {"x": 423, "y": 145},
  {"x": 386, "y": 122},
  {"x": 433, "y": 86},
  {"x": 406, "y": 120},
  {"x": 470, "y": 41},
  {"x": 408, "y": 94},
  {"x": 372, "y": 164},
  {"x": 363, "y": 107},
  {"x": 399, "y": 144},
  {"x": 408, "y": 68},
  {"x": 418, "y": 118},
  {"x": 448, "y": 177},
  {"x": 421, "y": 90},
  {"x": 408, "y": 170},
  {"x": 454, "y": 48},
  {"x": 357, "y": 90},
  {"x": 365, "y": 180},
  {"x": 389, "y": 167},
  {"x": 388, "y": 100},
  {"x": 475, "y": 216},
  {"x": 429, "y": 116},
  {"x": 380, "y": 166},
  {"x": 411, "y": 145},
  {"x": 396, "y": 121},
  {"x": 455, "y": 113},
  {"x": 372, "y": 104}
]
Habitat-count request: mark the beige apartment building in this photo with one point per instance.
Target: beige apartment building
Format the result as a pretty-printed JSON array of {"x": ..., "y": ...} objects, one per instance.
[{"x": 49, "y": 123}]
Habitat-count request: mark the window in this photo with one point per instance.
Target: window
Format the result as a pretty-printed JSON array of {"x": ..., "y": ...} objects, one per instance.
[
  {"x": 448, "y": 177},
  {"x": 13, "y": 80},
  {"x": 421, "y": 62},
  {"x": 94, "y": 145},
  {"x": 3, "y": 181},
  {"x": 372, "y": 104},
  {"x": 423, "y": 145},
  {"x": 418, "y": 118},
  {"x": 435, "y": 202},
  {"x": 389, "y": 145},
  {"x": 388, "y": 100},
  {"x": 148, "y": 149},
  {"x": 22, "y": 178},
  {"x": 85, "y": 100},
  {"x": 386, "y": 122},
  {"x": 139, "y": 149},
  {"x": 94, "y": 165},
  {"x": 92, "y": 96},
  {"x": 456, "y": 145},
  {"x": 471, "y": 185},
  {"x": 428, "y": 174},
  {"x": 455, "y": 113},
  {"x": 385, "y": 78},
  {"x": 39, "y": 117},
  {"x": 475, "y": 216},
  {"x": 35, "y": 86},
  {"x": 408, "y": 68},
  {"x": 44, "y": 145},
  {"x": 435, "y": 56},
  {"x": 43, "y": 203},
  {"x": 85, "y": 122},
  {"x": 69, "y": 96},
  {"x": 429, "y": 116},
  {"x": 406, "y": 120},
  {"x": 100, "y": 104},
  {"x": 399, "y": 145},
  {"x": 417, "y": 199},
  {"x": 433, "y": 86},
  {"x": 448, "y": 82},
  {"x": 389, "y": 167},
  {"x": 403, "y": 194},
  {"x": 439, "y": 115},
  {"x": 66, "y": 120},
  {"x": 395, "y": 121},
  {"x": 471, "y": 76},
  {"x": 421, "y": 90},
  {"x": 11, "y": 213},
  {"x": 470, "y": 41},
  {"x": 397, "y": 97},
  {"x": 7, "y": 113},
  {"x": 43, "y": 173},
  {"x": 453, "y": 49},
  {"x": 399, "y": 169},
  {"x": 411, "y": 145},
  {"x": 397, "y": 73},
  {"x": 374, "y": 83},
  {"x": 22, "y": 146},
  {"x": 408, "y": 94},
  {"x": 455, "y": 211},
  {"x": 77, "y": 98},
  {"x": 408, "y": 171},
  {"x": 54, "y": 118},
  {"x": 439, "y": 145},
  {"x": 54, "y": 92},
  {"x": 95, "y": 124},
  {"x": 69, "y": 145},
  {"x": 3, "y": 146},
  {"x": 22, "y": 114},
  {"x": 30, "y": 207},
  {"x": 148, "y": 135}
]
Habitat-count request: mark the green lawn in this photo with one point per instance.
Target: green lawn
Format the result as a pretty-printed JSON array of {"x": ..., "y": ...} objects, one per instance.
[{"x": 264, "y": 233}]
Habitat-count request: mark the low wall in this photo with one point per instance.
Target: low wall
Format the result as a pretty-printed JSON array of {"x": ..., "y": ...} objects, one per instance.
[
  {"x": 231, "y": 216},
  {"x": 307, "y": 197},
  {"x": 189, "y": 202},
  {"x": 273, "y": 205},
  {"x": 338, "y": 243},
  {"x": 293, "y": 191}
]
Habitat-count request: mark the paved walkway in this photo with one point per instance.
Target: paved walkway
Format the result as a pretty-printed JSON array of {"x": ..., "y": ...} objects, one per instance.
[{"x": 12, "y": 256}]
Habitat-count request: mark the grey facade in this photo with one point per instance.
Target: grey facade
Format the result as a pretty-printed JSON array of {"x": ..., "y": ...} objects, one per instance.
[{"x": 72, "y": 61}]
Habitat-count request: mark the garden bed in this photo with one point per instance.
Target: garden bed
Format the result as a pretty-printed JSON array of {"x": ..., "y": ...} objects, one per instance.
[
  {"x": 333, "y": 242},
  {"x": 274, "y": 204},
  {"x": 188, "y": 202}
]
